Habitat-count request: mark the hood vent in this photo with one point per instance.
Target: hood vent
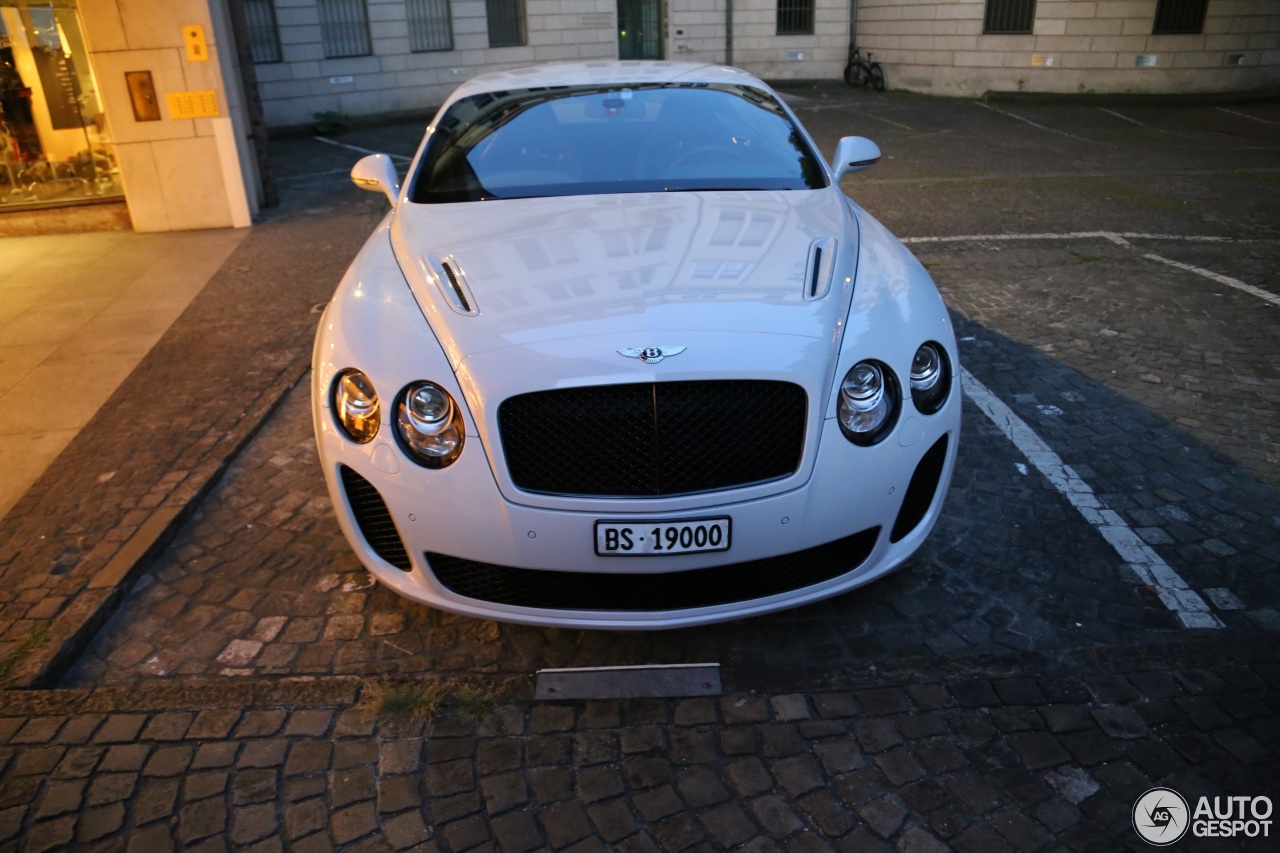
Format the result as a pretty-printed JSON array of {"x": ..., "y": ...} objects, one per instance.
[
  {"x": 817, "y": 273},
  {"x": 451, "y": 281}
]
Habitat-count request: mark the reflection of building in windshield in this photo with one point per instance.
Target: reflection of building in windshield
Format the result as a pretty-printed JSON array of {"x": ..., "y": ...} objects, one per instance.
[
  {"x": 595, "y": 140},
  {"x": 54, "y": 147}
]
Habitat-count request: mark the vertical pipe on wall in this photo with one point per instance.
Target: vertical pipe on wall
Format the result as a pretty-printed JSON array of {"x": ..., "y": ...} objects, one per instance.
[{"x": 728, "y": 32}]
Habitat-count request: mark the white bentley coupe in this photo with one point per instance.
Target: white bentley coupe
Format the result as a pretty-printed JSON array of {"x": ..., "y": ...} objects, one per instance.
[{"x": 623, "y": 355}]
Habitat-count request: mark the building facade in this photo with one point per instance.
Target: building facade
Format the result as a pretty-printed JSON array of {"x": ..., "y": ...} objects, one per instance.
[
  {"x": 969, "y": 47},
  {"x": 152, "y": 114}
]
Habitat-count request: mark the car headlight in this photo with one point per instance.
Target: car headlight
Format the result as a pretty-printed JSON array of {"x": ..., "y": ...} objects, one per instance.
[
  {"x": 868, "y": 402},
  {"x": 428, "y": 425},
  {"x": 930, "y": 377},
  {"x": 355, "y": 405}
]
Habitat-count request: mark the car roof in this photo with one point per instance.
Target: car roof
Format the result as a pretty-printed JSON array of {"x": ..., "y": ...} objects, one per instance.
[{"x": 604, "y": 72}]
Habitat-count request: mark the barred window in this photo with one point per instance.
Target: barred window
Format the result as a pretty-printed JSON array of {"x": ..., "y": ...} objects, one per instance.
[
  {"x": 344, "y": 28},
  {"x": 430, "y": 25},
  {"x": 1179, "y": 17},
  {"x": 795, "y": 17},
  {"x": 264, "y": 34},
  {"x": 1009, "y": 16},
  {"x": 506, "y": 22}
]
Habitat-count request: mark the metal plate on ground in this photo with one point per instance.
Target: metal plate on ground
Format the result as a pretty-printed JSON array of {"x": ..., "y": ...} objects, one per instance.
[{"x": 629, "y": 682}]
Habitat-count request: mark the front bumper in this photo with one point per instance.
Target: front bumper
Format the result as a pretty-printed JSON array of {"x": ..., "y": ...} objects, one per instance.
[{"x": 450, "y": 539}]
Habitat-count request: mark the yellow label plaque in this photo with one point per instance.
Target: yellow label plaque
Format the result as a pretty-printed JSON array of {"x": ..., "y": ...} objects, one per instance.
[
  {"x": 198, "y": 104},
  {"x": 197, "y": 48}
]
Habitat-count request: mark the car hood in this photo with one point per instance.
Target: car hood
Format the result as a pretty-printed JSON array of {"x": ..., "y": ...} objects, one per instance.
[{"x": 577, "y": 274}]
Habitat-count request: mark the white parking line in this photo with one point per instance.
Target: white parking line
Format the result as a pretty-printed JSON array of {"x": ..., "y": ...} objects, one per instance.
[
  {"x": 1122, "y": 116},
  {"x": 1219, "y": 278},
  {"x": 1150, "y": 568},
  {"x": 1032, "y": 123},
  {"x": 1246, "y": 115},
  {"x": 1120, "y": 237},
  {"x": 357, "y": 148}
]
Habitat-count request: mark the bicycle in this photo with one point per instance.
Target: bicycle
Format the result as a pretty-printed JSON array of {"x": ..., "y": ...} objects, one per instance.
[{"x": 864, "y": 73}]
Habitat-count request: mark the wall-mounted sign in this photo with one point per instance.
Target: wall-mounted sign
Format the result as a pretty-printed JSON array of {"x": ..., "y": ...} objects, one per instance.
[
  {"x": 197, "y": 48},
  {"x": 198, "y": 104},
  {"x": 142, "y": 92}
]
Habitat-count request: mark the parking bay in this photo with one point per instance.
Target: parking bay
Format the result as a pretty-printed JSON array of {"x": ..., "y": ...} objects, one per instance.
[{"x": 1153, "y": 384}]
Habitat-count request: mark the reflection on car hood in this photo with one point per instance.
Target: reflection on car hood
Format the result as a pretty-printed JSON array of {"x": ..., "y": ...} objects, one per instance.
[{"x": 637, "y": 268}]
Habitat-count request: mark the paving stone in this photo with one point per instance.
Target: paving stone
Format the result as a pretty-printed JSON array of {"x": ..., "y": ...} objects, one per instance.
[
  {"x": 727, "y": 825},
  {"x": 883, "y": 816},
  {"x": 202, "y": 820},
  {"x": 406, "y": 830},
  {"x": 599, "y": 783},
  {"x": 566, "y": 822},
  {"x": 353, "y": 822},
  {"x": 250, "y": 823},
  {"x": 775, "y": 815},
  {"x": 826, "y": 813},
  {"x": 305, "y": 818}
]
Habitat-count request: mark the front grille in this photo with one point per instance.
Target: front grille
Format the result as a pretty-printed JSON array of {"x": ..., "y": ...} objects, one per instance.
[
  {"x": 555, "y": 590},
  {"x": 373, "y": 519},
  {"x": 644, "y": 440}
]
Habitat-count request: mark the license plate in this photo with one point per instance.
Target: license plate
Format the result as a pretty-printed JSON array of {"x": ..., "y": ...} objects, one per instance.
[{"x": 657, "y": 538}]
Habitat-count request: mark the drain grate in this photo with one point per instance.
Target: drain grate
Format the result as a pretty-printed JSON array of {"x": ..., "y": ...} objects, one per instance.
[{"x": 629, "y": 682}]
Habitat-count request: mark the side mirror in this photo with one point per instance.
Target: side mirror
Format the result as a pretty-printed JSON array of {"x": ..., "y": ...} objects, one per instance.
[
  {"x": 377, "y": 173},
  {"x": 854, "y": 154}
]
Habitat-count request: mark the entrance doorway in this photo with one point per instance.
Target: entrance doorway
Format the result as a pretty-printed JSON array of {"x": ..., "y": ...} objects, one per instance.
[{"x": 640, "y": 29}]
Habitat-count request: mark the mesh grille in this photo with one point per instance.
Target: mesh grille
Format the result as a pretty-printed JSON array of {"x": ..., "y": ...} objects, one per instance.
[
  {"x": 374, "y": 519},
  {"x": 668, "y": 438},
  {"x": 653, "y": 593},
  {"x": 919, "y": 496}
]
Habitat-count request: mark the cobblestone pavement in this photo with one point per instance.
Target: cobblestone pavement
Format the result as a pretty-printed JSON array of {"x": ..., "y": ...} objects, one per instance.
[
  {"x": 1027, "y": 759},
  {"x": 1015, "y": 687}
]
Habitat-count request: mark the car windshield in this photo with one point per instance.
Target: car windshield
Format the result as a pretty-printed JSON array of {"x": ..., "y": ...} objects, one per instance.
[{"x": 589, "y": 140}]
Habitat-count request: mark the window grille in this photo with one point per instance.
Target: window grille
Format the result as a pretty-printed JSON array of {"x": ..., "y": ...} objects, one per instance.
[
  {"x": 1179, "y": 17},
  {"x": 430, "y": 25},
  {"x": 344, "y": 28},
  {"x": 795, "y": 17},
  {"x": 264, "y": 34},
  {"x": 1009, "y": 16},
  {"x": 506, "y": 22}
]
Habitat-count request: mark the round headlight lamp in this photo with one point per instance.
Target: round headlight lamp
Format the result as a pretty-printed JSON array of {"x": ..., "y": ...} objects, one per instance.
[
  {"x": 355, "y": 405},
  {"x": 428, "y": 425},
  {"x": 930, "y": 378},
  {"x": 868, "y": 405}
]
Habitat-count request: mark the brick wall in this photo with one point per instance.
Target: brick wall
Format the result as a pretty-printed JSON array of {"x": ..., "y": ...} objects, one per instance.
[{"x": 1076, "y": 46}]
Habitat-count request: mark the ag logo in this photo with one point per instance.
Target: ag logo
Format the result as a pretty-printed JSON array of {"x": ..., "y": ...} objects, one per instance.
[
  {"x": 651, "y": 355},
  {"x": 1161, "y": 816}
]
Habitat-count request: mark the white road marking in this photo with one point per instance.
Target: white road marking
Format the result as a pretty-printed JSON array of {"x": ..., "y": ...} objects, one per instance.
[
  {"x": 357, "y": 148},
  {"x": 1246, "y": 115},
  {"x": 1120, "y": 237},
  {"x": 1121, "y": 116},
  {"x": 1149, "y": 567},
  {"x": 1032, "y": 123},
  {"x": 1219, "y": 278}
]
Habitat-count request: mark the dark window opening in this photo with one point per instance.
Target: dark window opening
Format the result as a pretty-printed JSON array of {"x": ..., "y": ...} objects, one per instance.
[
  {"x": 506, "y": 22},
  {"x": 795, "y": 17},
  {"x": 1013, "y": 17},
  {"x": 1179, "y": 17}
]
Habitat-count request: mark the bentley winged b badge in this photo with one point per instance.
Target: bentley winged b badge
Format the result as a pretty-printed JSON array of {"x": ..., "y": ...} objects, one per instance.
[{"x": 651, "y": 355}]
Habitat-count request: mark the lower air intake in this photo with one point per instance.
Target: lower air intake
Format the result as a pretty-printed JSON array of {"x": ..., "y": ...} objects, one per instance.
[
  {"x": 373, "y": 519},
  {"x": 554, "y": 590}
]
